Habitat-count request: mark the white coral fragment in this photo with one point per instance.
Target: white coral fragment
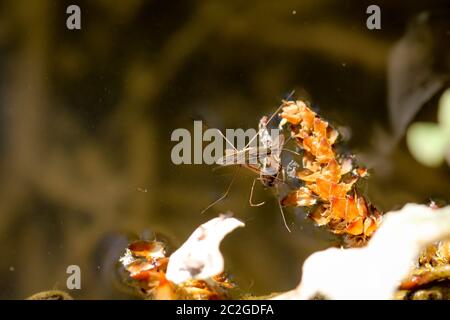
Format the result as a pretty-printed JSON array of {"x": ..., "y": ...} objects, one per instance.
[
  {"x": 200, "y": 257},
  {"x": 375, "y": 271}
]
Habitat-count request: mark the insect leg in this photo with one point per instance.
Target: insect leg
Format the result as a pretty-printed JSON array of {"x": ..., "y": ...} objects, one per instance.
[
  {"x": 225, "y": 194},
  {"x": 281, "y": 209},
  {"x": 292, "y": 151},
  {"x": 251, "y": 196},
  {"x": 282, "y": 214}
]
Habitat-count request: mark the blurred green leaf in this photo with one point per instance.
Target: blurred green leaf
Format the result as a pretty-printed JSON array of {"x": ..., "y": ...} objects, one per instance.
[{"x": 427, "y": 142}]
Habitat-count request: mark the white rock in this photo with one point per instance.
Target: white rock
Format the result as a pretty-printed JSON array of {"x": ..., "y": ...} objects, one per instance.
[
  {"x": 199, "y": 257},
  {"x": 375, "y": 271}
]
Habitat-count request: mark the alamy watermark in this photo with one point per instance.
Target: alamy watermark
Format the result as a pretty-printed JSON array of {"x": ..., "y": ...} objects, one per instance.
[
  {"x": 73, "y": 21},
  {"x": 374, "y": 20},
  {"x": 74, "y": 279}
]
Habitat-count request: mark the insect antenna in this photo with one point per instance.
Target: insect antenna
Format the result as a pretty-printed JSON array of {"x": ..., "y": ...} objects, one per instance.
[
  {"x": 270, "y": 119},
  {"x": 292, "y": 151}
]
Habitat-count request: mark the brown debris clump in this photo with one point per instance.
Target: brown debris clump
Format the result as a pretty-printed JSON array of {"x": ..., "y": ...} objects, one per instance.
[{"x": 433, "y": 267}]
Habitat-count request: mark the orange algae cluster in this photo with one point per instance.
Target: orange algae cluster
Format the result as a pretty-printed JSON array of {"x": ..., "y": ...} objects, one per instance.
[{"x": 329, "y": 180}]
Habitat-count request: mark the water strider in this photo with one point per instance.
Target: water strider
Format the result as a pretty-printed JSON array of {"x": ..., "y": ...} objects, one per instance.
[{"x": 264, "y": 160}]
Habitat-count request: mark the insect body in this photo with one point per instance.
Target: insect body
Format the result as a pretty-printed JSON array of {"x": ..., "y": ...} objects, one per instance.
[
  {"x": 264, "y": 160},
  {"x": 271, "y": 167}
]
